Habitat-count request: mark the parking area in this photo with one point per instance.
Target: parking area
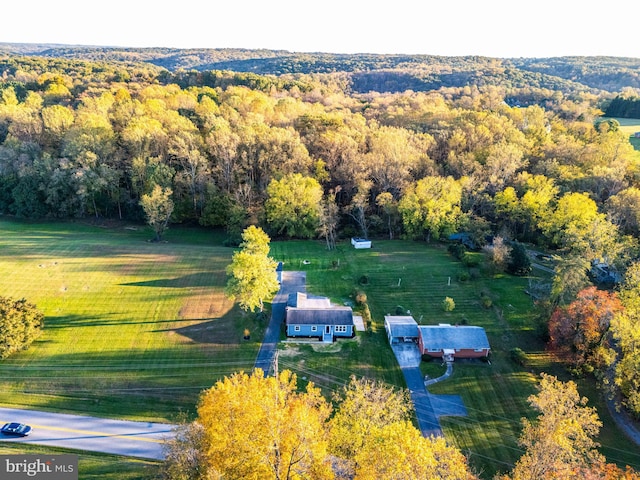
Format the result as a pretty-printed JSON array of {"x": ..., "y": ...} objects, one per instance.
[{"x": 408, "y": 354}]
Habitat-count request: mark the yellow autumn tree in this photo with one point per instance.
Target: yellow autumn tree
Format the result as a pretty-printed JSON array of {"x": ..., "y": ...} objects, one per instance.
[
  {"x": 561, "y": 441},
  {"x": 372, "y": 437},
  {"x": 399, "y": 451},
  {"x": 363, "y": 406},
  {"x": 252, "y": 427},
  {"x": 257, "y": 427},
  {"x": 252, "y": 273}
]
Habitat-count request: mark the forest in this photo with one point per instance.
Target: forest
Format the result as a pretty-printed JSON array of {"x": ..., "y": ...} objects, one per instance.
[
  {"x": 370, "y": 72},
  {"x": 327, "y": 146}
]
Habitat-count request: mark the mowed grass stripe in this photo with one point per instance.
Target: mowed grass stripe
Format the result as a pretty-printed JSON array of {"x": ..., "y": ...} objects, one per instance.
[
  {"x": 490, "y": 430},
  {"x": 123, "y": 305},
  {"x": 417, "y": 277},
  {"x": 152, "y": 327}
]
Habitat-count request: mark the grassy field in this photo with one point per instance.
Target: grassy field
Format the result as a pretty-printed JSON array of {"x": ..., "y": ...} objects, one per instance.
[
  {"x": 95, "y": 465},
  {"x": 416, "y": 278},
  {"x": 133, "y": 329},
  {"x": 401, "y": 275},
  {"x": 630, "y": 126},
  {"x": 137, "y": 329}
]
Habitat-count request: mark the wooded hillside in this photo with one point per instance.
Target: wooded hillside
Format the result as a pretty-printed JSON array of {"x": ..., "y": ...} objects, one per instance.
[
  {"x": 91, "y": 137},
  {"x": 372, "y": 72}
]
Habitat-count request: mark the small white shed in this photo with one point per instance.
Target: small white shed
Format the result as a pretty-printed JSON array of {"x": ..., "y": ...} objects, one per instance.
[{"x": 361, "y": 243}]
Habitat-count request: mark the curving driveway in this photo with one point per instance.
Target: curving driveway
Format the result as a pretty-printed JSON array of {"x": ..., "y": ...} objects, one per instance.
[
  {"x": 429, "y": 407},
  {"x": 118, "y": 437}
]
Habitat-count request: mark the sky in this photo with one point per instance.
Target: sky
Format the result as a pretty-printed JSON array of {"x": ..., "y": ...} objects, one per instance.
[{"x": 494, "y": 28}]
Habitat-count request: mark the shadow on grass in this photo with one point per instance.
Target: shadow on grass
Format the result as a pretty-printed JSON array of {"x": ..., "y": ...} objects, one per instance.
[
  {"x": 149, "y": 384},
  {"x": 72, "y": 321},
  {"x": 221, "y": 331},
  {"x": 203, "y": 279},
  {"x": 229, "y": 329}
]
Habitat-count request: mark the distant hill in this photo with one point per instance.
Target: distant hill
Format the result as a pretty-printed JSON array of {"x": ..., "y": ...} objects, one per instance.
[{"x": 370, "y": 72}]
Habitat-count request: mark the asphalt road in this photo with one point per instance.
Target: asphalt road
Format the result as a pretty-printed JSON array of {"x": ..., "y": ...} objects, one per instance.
[{"x": 134, "y": 439}]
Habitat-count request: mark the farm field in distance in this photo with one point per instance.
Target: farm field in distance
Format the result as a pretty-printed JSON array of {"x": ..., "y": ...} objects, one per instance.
[
  {"x": 630, "y": 126},
  {"x": 136, "y": 329}
]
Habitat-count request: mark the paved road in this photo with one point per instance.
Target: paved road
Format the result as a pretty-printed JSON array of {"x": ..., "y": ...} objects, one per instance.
[
  {"x": 135, "y": 439},
  {"x": 291, "y": 282},
  {"x": 624, "y": 422}
]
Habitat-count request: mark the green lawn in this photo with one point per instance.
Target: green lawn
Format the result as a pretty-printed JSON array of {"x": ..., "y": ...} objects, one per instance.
[
  {"x": 94, "y": 465},
  {"x": 417, "y": 277},
  {"x": 133, "y": 329},
  {"x": 137, "y": 329},
  {"x": 630, "y": 126}
]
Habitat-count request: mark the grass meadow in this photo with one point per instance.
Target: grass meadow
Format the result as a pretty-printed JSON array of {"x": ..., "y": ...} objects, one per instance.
[
  {"x": 137, "y": 330},
  {"x": 416, "y": 277},
  {"x": 630, "y": 126},
  {"x": 133, "y": 329},
  {"x": 94, "y": 466}
]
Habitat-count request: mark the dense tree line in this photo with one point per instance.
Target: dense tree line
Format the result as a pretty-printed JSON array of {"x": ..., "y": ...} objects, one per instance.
[
  {"x": 93, "y": 145},
  {"x": 605, "y": 73},
  {"x": 624, "y": 107},
  {"x": 302, "y": 156}
]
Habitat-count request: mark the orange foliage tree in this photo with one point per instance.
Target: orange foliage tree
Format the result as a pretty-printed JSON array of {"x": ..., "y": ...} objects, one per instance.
[{"x": 579, "y": 331}]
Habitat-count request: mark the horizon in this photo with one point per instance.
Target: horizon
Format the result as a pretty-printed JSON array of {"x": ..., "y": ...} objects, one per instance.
[
  {"x": 487, "y": 28},
  {"x": 126, "y": 47}
]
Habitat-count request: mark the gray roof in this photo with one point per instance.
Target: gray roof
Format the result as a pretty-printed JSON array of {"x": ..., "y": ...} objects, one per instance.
[
  {"x": 318, "y": 316},
  {"x": 401, "y": 326},
  {"x": 453, "y": 337}
]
